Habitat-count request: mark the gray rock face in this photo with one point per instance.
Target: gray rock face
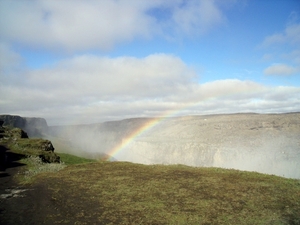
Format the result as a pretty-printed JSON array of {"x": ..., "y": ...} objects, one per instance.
[
  {"x": 34, "y": 127},
  {"x": 267, "y": 143}
]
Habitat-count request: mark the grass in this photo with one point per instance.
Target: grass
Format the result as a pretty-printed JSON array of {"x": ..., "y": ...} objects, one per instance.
[
  {"x": 127, "y": 193},
  {"x": 69, "y": 159},
  {"x": 26, "y": 146},
  {"x": 34, "y": 166}
]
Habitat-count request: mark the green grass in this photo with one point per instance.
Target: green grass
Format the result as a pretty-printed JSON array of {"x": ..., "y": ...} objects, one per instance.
[
  {"x": 127, "y": 193},
  {"x": 69, "y": 159},
  {"x": 34, "y": 166},
  {"x": 26, "y": 146}
]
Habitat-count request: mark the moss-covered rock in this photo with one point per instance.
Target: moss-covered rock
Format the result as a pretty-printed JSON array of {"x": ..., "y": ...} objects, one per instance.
[
  {"x": 18, "y": 133},
  {"x": 50, "y": 157},
  {"x": 17, "y": 141}
]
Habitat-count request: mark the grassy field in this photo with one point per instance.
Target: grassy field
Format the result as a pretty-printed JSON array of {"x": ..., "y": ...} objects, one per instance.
[
  {"x": 127, "y": 193},
  {"x": 34, "y": 166}
]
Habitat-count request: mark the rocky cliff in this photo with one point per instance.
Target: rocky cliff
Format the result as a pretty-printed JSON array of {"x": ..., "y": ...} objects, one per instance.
[
  {"x": 16, "y": 140},
  {"x": 34, "y": 127},
  {"x": 267, "y": 143}
]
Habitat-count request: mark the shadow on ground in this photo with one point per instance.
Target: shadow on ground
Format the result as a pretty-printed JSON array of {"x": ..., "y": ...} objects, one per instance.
[{"x": 9, "y": 159}]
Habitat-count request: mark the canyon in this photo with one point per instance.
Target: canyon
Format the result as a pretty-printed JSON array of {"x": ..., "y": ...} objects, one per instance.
[{"x": 266, "y": 143}]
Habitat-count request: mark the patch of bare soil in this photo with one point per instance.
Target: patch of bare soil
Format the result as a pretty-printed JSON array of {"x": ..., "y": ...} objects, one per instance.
[
  {"x": 32, "y": 203},
  {"x": 21, "y": 204},
  {"x": 125, "y": 193}
]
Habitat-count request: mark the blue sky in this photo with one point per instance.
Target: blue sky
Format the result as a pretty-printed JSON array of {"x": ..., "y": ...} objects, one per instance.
[{"x": 92, "y": 61}]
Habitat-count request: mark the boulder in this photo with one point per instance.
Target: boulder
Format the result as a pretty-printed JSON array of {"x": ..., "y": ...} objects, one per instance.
[
  {"x": 49, "y": 157},
  {"x": 46, "y": 145}
]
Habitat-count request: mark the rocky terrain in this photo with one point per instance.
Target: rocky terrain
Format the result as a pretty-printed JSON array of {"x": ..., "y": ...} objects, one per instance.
[
  {"x": 34, "y": 127},
  {"x": 15, "y": 141},
  {"x": 267, "y": 143}
]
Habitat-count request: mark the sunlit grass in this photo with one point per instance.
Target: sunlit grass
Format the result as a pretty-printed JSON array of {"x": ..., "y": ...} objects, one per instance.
[
  {"x": 69, "y": 159},
  {"x": 127, "y": 193},
  {"x": 34, "y": 166}
]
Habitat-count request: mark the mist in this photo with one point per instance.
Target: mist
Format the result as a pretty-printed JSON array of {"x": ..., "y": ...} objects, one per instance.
[{"x": 265, "y": 143}]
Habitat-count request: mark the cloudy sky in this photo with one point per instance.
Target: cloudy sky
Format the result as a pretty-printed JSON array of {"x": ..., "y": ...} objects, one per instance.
[{"x": 73, "y": 61}]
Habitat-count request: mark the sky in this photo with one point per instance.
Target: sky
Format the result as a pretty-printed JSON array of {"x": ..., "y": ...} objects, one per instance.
[{"x": 74, "y": 62}]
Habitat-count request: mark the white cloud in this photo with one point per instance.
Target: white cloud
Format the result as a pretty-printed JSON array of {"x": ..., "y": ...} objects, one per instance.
[
  {"x": 197, "y": 15},
  {"x": 274, "y": 39},
  {"x": 88, "y": 81},
  {"x": 105, "y": 78},
  {"x": 91, "y": 24},
  {"x": 73, "y": 24},
  {"x": 293, "y": 56},
  {"x": 291, "y": 35},
  {"x": 287, "y": 47},
  {"x": 280, "y": 70},
  {"x": 88, "y": 88}
]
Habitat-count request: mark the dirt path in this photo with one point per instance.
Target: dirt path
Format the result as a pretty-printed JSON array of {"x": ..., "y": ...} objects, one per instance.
[
  {"x": 35, "y": 203},
  {"x": 21, "y": 204}
]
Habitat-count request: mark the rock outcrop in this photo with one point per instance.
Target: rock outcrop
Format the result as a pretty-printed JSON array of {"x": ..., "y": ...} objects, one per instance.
[
  {"x": 17, "y": 141},
  {"x": 34, "y": 127}
]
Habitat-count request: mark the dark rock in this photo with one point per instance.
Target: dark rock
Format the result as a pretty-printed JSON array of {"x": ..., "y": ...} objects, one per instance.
[
  {"x": 18, "y": 133},
  {"x": 13, "y": 121},
  {"x": 47, "y": 146},
  {"x": 3, "y": 158},
  {"x": 49, "y": 157},
  {"x": 35, "y": 127},
  {"x": 38, "y": 144}
]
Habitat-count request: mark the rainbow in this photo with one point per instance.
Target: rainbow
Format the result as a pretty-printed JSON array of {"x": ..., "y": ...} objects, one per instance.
[
  {"x": 145, "y": 127},
  {"x": 168, "y": 114},
  {"x": 135, "y": 134}
]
